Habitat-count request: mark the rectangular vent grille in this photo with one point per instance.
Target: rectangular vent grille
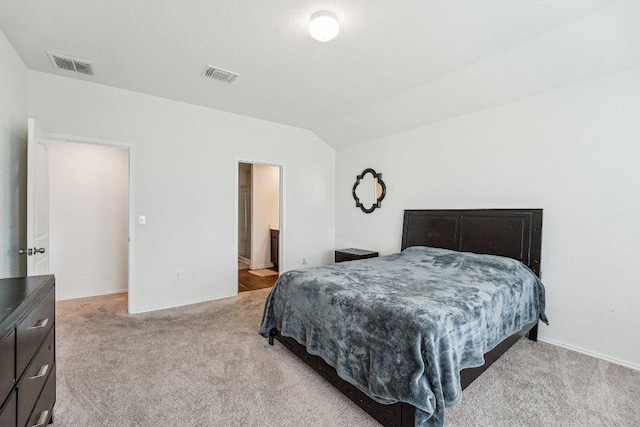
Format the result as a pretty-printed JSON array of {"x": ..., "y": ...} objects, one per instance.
[
  {"x": 220, "y": 74},
  {"x": 69, "y": 63}
]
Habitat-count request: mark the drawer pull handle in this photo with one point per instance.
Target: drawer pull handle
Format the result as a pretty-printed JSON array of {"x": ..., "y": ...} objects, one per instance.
[
  {"x": 41, "y": 373},
  {"x": 41, "y": 324},
  {"x": 42, "y": 419}
]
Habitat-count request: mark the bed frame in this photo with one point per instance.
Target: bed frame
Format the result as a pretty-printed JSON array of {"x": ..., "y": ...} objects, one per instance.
[{"x": 514, "y": 233}]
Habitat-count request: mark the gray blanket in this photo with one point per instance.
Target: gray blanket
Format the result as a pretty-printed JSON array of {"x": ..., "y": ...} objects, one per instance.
[{"x": 401, "y": 327}]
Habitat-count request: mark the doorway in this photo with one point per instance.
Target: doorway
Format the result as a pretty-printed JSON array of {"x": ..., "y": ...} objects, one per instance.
[
  {"x": 259, "y": 208},
  {"x": 89, "y": 218}
]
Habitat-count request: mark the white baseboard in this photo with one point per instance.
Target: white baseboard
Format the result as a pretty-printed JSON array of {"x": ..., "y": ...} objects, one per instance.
[
  {"x": 590, "y": 353},
  {"x": 117, "y": 291},
  {"x": 197, "y": 301}
]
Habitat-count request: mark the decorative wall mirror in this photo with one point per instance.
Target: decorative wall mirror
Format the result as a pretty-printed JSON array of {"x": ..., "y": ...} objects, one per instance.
[{"x": 369, "y": 190}]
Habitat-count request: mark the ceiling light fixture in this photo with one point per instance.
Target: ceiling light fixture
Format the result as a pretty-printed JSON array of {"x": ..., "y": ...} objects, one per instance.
[{"x": 324, "y": 26}]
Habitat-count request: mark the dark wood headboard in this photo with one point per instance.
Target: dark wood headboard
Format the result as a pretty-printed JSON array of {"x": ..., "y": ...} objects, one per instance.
[{"x": 514, "y": 233}]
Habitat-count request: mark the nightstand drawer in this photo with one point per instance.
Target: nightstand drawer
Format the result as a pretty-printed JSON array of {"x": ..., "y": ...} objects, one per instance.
[
  {"x": 7, "y": 359},
  {"x": 353, "y": 254},
  {"x": 34, "y": 378},
  {"x": 32, "y": 330}
]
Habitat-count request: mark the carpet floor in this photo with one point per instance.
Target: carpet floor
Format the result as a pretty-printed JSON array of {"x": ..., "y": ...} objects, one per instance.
[{"x": 205, "y": 364}]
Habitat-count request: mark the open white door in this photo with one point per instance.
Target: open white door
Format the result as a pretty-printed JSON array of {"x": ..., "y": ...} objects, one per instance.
[{"x": 37, "y": 201}]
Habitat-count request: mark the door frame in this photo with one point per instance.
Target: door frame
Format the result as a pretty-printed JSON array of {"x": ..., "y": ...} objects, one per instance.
[
  {"x": 131, "y": 255},
  {"x": 282, "y": 212}
]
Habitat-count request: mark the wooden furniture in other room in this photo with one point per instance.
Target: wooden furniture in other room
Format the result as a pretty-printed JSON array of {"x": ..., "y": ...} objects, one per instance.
[
  {"x": 27, "y": 351},
  {"x": 352, "y": 254},
  {"x": 275, "y": 247}
]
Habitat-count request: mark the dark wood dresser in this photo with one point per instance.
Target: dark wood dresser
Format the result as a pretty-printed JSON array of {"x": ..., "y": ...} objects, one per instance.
[
  {"x": 352, "y": 254},
  {"x": 27, "y": 351}
]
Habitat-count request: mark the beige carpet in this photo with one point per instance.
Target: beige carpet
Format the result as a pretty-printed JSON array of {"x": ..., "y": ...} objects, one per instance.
[{"x": 205, "y": 364}]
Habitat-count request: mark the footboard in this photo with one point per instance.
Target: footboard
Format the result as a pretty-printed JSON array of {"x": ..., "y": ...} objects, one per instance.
[
  {"x": 398, "y": 414},
  {"x": 395, "y": 415}
]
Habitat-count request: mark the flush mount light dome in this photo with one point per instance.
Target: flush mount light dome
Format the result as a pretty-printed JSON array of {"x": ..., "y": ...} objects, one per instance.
[{"x": 324, "y": 26}]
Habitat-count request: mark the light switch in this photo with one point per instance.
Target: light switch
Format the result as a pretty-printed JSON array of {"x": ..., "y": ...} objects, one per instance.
[{"x": 142, "y": 220}]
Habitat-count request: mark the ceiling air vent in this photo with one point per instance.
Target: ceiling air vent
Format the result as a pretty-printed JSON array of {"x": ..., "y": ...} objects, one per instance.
[
  {"x": 220, "y": 74},
  {"x": 69, "y": 63}
]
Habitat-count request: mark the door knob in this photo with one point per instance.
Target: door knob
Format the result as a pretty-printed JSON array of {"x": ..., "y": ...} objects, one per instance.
[
  {"x": 38, "y": 251},
  {"x": 22, "y": 252}
]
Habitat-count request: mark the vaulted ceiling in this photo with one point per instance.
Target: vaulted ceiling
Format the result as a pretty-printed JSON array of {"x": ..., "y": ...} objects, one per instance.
[{"x": 394, "y": 66}]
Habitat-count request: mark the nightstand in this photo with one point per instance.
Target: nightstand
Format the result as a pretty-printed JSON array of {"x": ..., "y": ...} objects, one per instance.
[{"x": 352, "y": 254}]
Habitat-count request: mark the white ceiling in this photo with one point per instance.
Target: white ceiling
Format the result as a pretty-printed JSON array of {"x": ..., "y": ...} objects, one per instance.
[{"x": 394, "y": 65}]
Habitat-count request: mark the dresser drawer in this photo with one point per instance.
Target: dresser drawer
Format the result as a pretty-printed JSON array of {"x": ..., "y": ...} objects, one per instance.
[
  {"x": 8, "y": 412},
  {"x": 7, "y": 362},
  {"x": 32, "y": 330},
  {"x": 34, "y": 378},
  {"x": 42, "y": 412}
]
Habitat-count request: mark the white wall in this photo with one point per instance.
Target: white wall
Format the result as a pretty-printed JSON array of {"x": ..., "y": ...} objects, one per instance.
[
  {"x": 185, "y": 171},
  {"x": 88, "y": 218},
  {"x": 573, "y": 152},
  {"x": 265, "y": 212},
  {"x": 13, "y": 160}
]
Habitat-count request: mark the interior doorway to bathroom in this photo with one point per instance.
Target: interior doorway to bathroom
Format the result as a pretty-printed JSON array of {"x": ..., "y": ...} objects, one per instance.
[
  {"x": 244, "y": 216},
  {"x": 259, "y": 217}
]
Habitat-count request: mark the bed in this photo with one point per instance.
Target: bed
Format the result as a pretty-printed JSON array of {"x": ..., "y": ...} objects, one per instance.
[{"x": 404, "y": 374}]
